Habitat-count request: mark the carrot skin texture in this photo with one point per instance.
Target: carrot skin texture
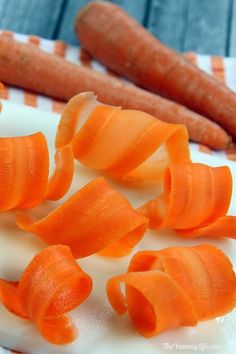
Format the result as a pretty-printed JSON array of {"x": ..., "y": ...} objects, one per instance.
[
  {"x": 1, "y": 89},
  {"x": 122, "y": 44},
  {"x": 29, "y": 67}
]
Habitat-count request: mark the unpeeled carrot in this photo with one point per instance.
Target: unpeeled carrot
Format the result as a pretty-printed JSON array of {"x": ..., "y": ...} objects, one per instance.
[
  {"x": 176, "y": 286},
  {"x": 1, "y": 89},
  {"x": 51, "y": 285},
  {"x": 103, "y": 221},
  {"x": 96, "y": 133},
  {"x": 28, "y": 67},
  {"x": 122, "y": 44},
  {"x": 194, "y": 202}
]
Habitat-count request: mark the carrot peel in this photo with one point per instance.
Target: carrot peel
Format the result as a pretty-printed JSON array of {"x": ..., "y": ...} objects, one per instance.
[
  {"x": 52, "y": 284},
  {"x": 103, "y": 221},
  {"x": 177, "y": 286}
]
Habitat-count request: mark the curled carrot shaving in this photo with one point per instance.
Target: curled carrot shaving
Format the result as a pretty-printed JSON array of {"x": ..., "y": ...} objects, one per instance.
[
  {"x": 24, "y": 167},
  {"x": 194, "y": 202},
  {"x": 61, "y": 179},
  {"x": 94, "y": 219},
  {"x": 223, "y": 226},
  {"x": 52, "y": 285},
  {"x": 127, "y": 144},
  {"x": 177, "y": 286},
  {"x": 24, "y": 170}
]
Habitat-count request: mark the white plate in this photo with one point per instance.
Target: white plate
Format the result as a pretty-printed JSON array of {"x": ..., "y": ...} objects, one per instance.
[{"x": 101, "y": 330}]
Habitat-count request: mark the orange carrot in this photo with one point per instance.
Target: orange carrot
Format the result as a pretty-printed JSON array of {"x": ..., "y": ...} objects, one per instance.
[
  {"x": 28, "y": 67},
  {"x": 103, "y": 220},
  {"x": 1, "y": 89},
  {"x": 52, "y": 285},
  {"x": 122, "y": 44},
  {"x": 24, "y": 169},
  {"x": 61, "y": 179},
  {"x": 176, "y": 286},
  {"x": 96, "y": 133},
  {"x": 195, "y": 201}
]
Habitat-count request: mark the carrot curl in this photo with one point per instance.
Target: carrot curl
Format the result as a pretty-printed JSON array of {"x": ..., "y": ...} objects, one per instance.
[
  {"x": 51, "y": 285},
  {"x": 127, "y": 144},
  {"x": 194, "y": 202},
  {"x": 177, "y": 286},
  {"x": 94, "y": 219}
]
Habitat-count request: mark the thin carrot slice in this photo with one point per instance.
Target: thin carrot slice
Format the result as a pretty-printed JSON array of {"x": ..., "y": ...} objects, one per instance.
[
  {"x": 52, "y": 285},
  {"x": 173, "y": 287},
  {"x": 140, "y": 146},
  {"x": 9, "y": 296},
  {"x": 94, "y": 219},
  {"x": 61, "y": 179},
  {"x": 224, "y": 226},
  {"x": 154, "y": 302},
  {"x": 72, "y": 115},
  {"x": 195, "y": 201},
  {"x": 203, "y": 272},
  {"x": 23, "y": 171}
]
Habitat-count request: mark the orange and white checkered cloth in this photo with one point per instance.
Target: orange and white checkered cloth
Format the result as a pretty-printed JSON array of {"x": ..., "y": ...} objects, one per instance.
[{"x": 222, "y": 68}]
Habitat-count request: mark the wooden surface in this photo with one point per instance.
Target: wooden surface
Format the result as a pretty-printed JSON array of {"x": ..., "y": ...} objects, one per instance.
[{"x": 205, "y": 26}]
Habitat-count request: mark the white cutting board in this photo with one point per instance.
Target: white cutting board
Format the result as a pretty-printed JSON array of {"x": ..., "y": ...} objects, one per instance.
[{"x": 101, "y": 330}]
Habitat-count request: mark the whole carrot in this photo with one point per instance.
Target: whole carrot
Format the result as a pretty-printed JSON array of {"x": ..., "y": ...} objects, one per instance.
[
  {"x": 29, "y": 67},
  {"x": 1, "y": 89},
  {"x": 119, "y": 42}
]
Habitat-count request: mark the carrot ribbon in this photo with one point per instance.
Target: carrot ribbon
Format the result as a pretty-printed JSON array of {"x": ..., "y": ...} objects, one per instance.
[
  {"x": 176, "y": 286},
  {"x": 194, "y": 202},
  {"x": 94, "y": 219},
  {"x": 127, "y": 144},
  {"x": 24, "y": 170},
  {"x": 52, "y": 285}
]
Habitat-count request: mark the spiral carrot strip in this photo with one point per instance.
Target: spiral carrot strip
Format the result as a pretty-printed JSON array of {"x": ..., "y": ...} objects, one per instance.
[
  {"x": 52, "y": 285},
  {"x": 24, "y": 170},
  {"x": 177, "y": 286},
  {"x": 94, "y": 219},
  {"x": 224, "y": 226},
  {"x": 61, "y": 179},
  {"x": 195, "y": 201},
  {"x": 127, "y": 144}
]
